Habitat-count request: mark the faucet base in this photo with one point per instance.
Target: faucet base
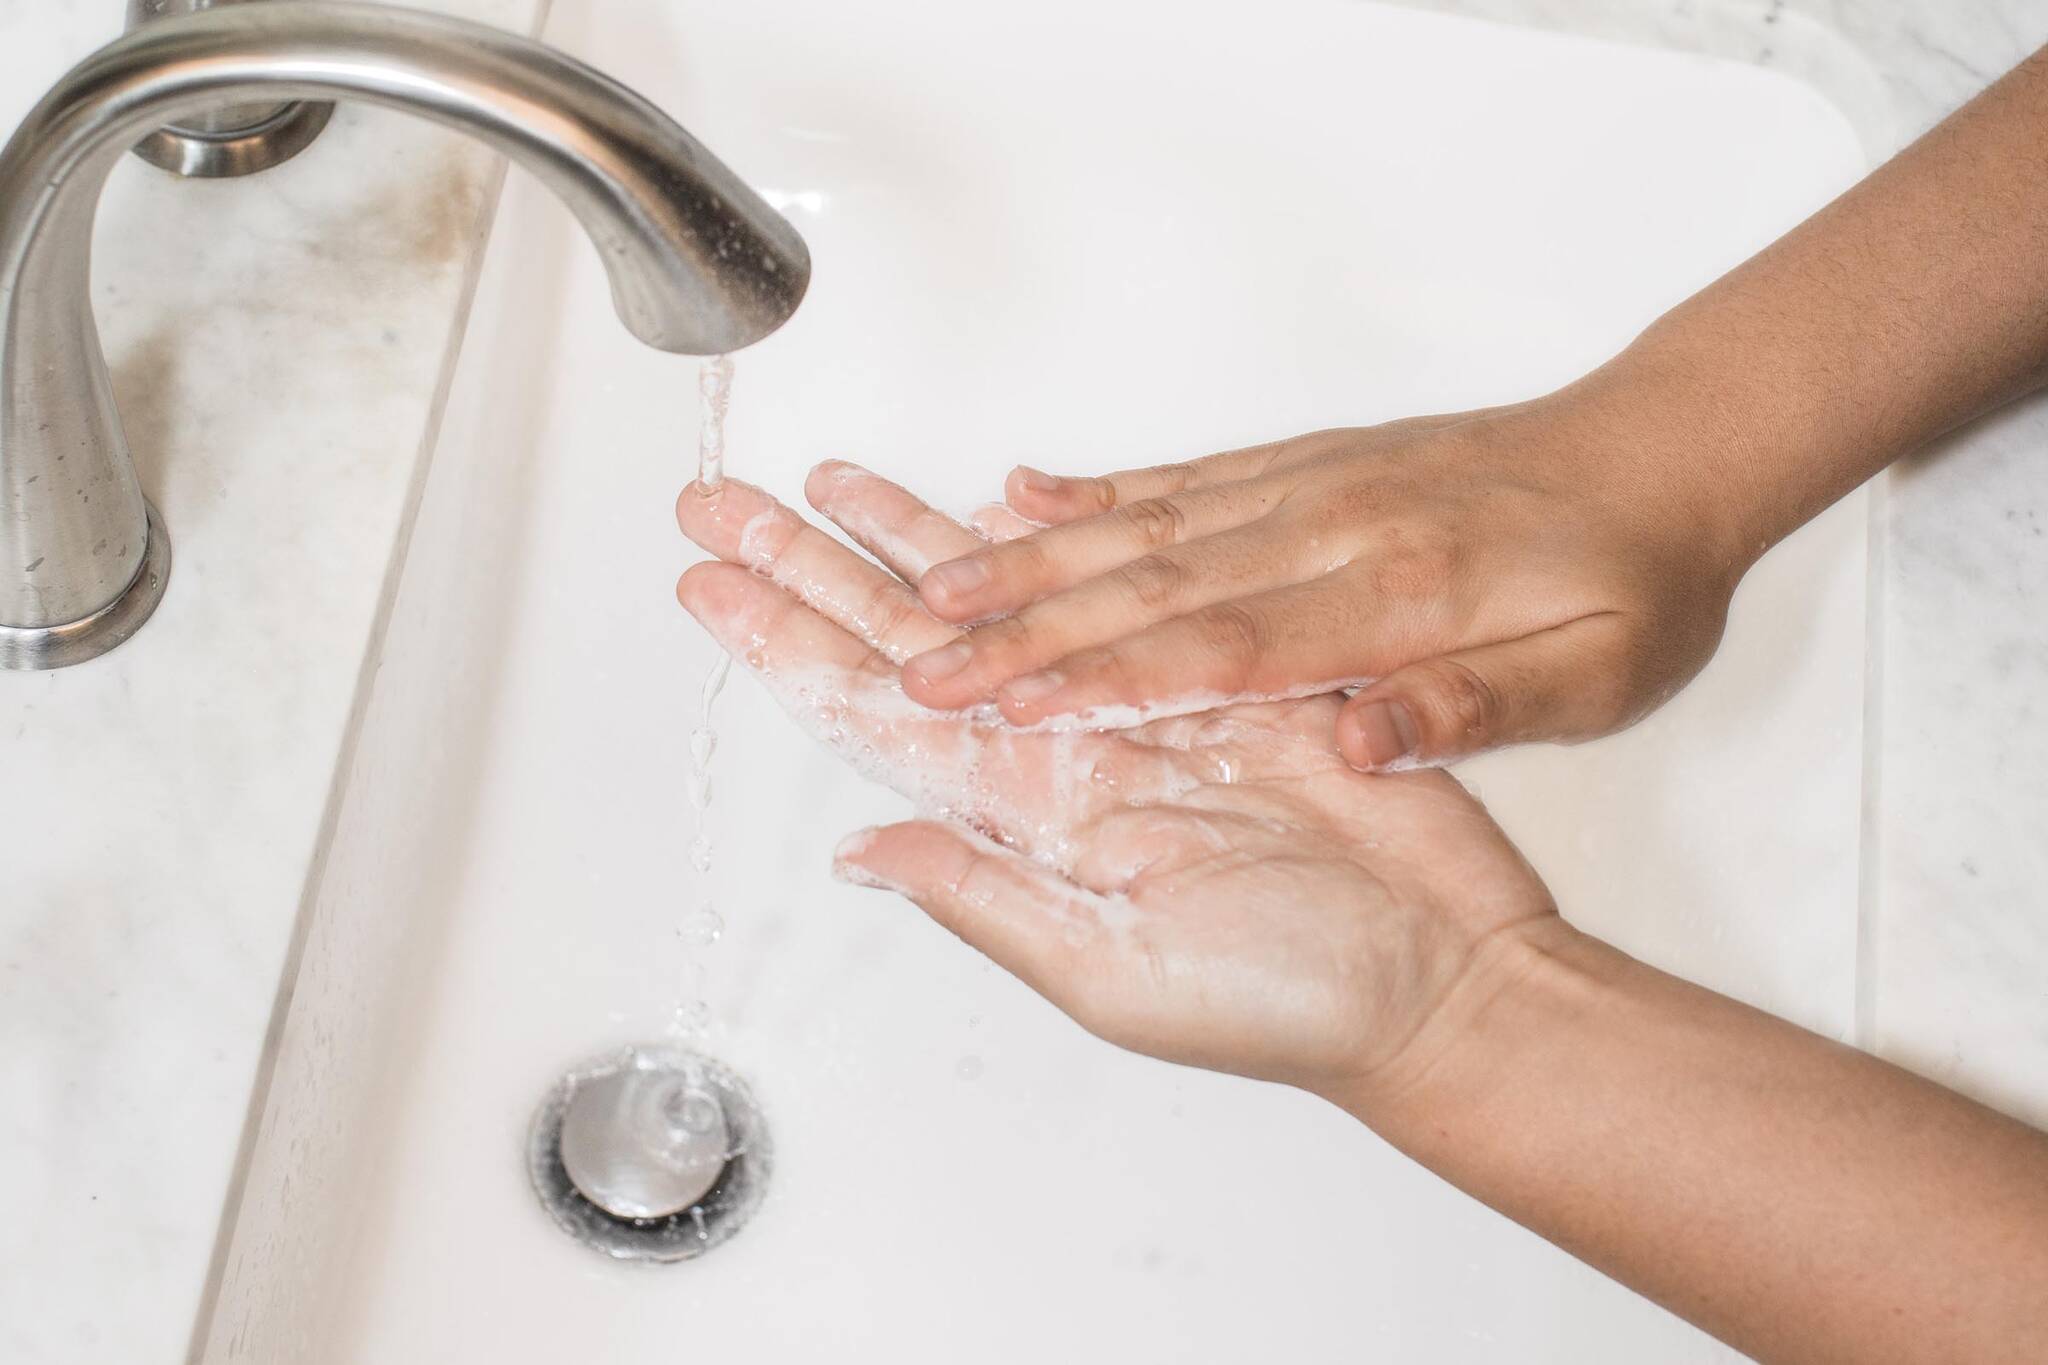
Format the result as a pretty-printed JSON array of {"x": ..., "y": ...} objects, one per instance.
[
  {"x": 24, "y": 649},
  {"x": 257, "y": 147}
]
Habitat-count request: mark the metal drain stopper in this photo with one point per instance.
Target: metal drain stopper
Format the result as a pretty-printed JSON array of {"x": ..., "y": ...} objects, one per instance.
[
  {"x": 653, "y": 1153},
  {"x": 644, "y": 1142}
]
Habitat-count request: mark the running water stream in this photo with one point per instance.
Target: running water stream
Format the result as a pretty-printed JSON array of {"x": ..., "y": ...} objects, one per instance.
[{"x": 703, "y": 925}]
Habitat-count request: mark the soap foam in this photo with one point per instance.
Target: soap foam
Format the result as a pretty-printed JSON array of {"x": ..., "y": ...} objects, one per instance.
[{"x": 1124, "y": 716}]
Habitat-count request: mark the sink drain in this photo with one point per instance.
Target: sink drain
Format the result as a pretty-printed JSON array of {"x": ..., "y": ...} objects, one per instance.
[{"x": 653, "y": 1153}]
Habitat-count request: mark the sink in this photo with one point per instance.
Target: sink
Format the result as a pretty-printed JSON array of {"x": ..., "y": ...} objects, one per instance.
[{"x": 1082, "y": 235}]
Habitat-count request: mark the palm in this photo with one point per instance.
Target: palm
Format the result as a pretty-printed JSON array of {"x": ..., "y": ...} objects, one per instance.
[{"x": 1219, "y": 889}]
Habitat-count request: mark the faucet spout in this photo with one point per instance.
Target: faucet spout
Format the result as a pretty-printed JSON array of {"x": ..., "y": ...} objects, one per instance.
[{"x": 698, "y": 264}]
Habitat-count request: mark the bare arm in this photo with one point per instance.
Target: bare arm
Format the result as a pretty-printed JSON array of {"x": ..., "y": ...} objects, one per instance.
[
  {"x": 1553, "y": 569},
  {"x": 1800, "y": 1200},
  {"x": 1222, "y": 891},
  {"x": 1915, "y": 302}
]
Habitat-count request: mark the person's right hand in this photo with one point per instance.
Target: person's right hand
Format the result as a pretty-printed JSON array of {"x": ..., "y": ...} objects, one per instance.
[{"x": 1527, "y": 573}]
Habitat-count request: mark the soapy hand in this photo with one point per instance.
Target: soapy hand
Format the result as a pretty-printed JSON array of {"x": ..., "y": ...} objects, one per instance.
[
  {"x": 1215, "y": 889},
  {"x": 1503, "y": 576}
]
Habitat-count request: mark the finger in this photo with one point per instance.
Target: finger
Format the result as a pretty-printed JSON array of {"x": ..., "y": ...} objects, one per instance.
[
  {"x": 886, "y": 519},
  {"x": 1001, "y": 578},
  {"x": 777, "y": 635},
  {"x": 846, "y": 695},
  {"x": 743, "y": 525},
  {"x": 1560, "y": 683},
  {"x": 1030, "y": 790},
  {"x": 1026, "y": 918},
  {"x": 1115, "y": 604},
  {"x": 1055, "y": 498},
  {"x": 1287, "y": 643},
  {"x": 993, "y": 521}
]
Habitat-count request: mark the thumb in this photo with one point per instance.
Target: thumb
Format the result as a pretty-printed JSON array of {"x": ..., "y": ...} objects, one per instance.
[{"x": 1561, "y": 683}]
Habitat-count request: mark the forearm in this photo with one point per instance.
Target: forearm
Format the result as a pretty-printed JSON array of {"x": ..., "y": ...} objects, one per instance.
[
  {"x": 1798, "y": 1199},
  {"x": 1915, "y": 302}
]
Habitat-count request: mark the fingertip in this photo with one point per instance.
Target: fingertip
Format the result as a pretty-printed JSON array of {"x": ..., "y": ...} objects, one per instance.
[
  {"x": 716, "y": 518},
  {"x": 825, "y": 479},
  {"x": 1034, "y": 492},
  {"x": 1378, "y": 733},
  {"x": 952, "y": 590},
  {"x": 697, "y": 587},
  {"x": 1027, "y": 479},
  {"x": 899, "y": 857},
  {"x": 853, "y": 861},
  {"x": 1032, "y": 698},
  {"x": 940, "y": 677},
  {"x": 697, "y": 507}
]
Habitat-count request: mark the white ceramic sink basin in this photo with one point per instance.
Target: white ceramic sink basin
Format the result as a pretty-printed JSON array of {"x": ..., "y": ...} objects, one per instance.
[{"x": 1082, "y": 235}]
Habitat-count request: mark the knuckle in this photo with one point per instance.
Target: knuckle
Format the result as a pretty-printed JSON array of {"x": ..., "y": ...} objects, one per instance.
[
  {"x": 1236, "y": 635},
  {"x": 1023, "y": 560},
  {"x": 1014, "y": 641},
  {"x": 1155, "y": 581},
  {"x": 1409, "y": 570},
  {"x": 1353, "y": 504},
  {"x": 886, "y": 611},
  {"x": 1154, "y": 522},
  {"x": 1470, "y": 704}
]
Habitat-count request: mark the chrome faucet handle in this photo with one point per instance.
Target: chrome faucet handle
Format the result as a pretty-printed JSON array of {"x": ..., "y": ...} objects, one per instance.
[
  {"x": 236, "y": 139},
  {"x": 699, "y": 265}
]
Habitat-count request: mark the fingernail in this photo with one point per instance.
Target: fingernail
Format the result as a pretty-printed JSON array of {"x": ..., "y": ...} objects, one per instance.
[
  {"x": 937, "y": 665},
  {"x": 1033, "y": 687},
  {"x": 855, "y": 844},
  {"x": 1037, "y": 480},
  {"x": 960, "y": 576},
  {"x": 846, "y": 868},
  {"x": 1387, "y": 731}
]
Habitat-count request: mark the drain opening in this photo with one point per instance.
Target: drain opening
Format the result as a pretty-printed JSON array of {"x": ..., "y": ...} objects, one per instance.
[{"x": 653, "y": 1153}]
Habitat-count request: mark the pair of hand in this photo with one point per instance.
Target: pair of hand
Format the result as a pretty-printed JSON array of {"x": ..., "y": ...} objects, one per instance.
[{"x": 1218, "y": 889}]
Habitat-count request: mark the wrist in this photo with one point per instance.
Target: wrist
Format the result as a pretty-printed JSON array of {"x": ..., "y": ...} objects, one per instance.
[
  {"x": 1523, "y": 990},
  {"x": 1691, "y": 472}
]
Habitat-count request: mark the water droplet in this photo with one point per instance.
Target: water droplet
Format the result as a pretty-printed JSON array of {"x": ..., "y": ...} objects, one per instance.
[
  {"x": 968, "y": 1068},
  {"x": 704, "y": 927},
  {"x": 690, "y": 1017}
]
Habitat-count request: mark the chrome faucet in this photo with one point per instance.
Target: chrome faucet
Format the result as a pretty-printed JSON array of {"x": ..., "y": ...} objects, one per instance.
[
  {"x": 699, "y": 265},
  {"x": 233, "y": 139}
]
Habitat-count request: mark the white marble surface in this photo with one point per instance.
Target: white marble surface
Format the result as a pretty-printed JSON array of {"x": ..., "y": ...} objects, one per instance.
[
  {"x": 155, "y": 867},
  {"x": 1954, "y": 941},
  {"x": 278, "y": 347}
]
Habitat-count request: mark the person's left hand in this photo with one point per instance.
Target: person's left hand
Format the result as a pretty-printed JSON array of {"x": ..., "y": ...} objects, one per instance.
[{"x": 1217, "y": 889}]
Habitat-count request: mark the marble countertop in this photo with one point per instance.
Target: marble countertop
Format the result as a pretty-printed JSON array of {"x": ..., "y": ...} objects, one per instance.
[
  {"x": 1953, "y": 943},
  {"x": 281, "y": 348}
]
